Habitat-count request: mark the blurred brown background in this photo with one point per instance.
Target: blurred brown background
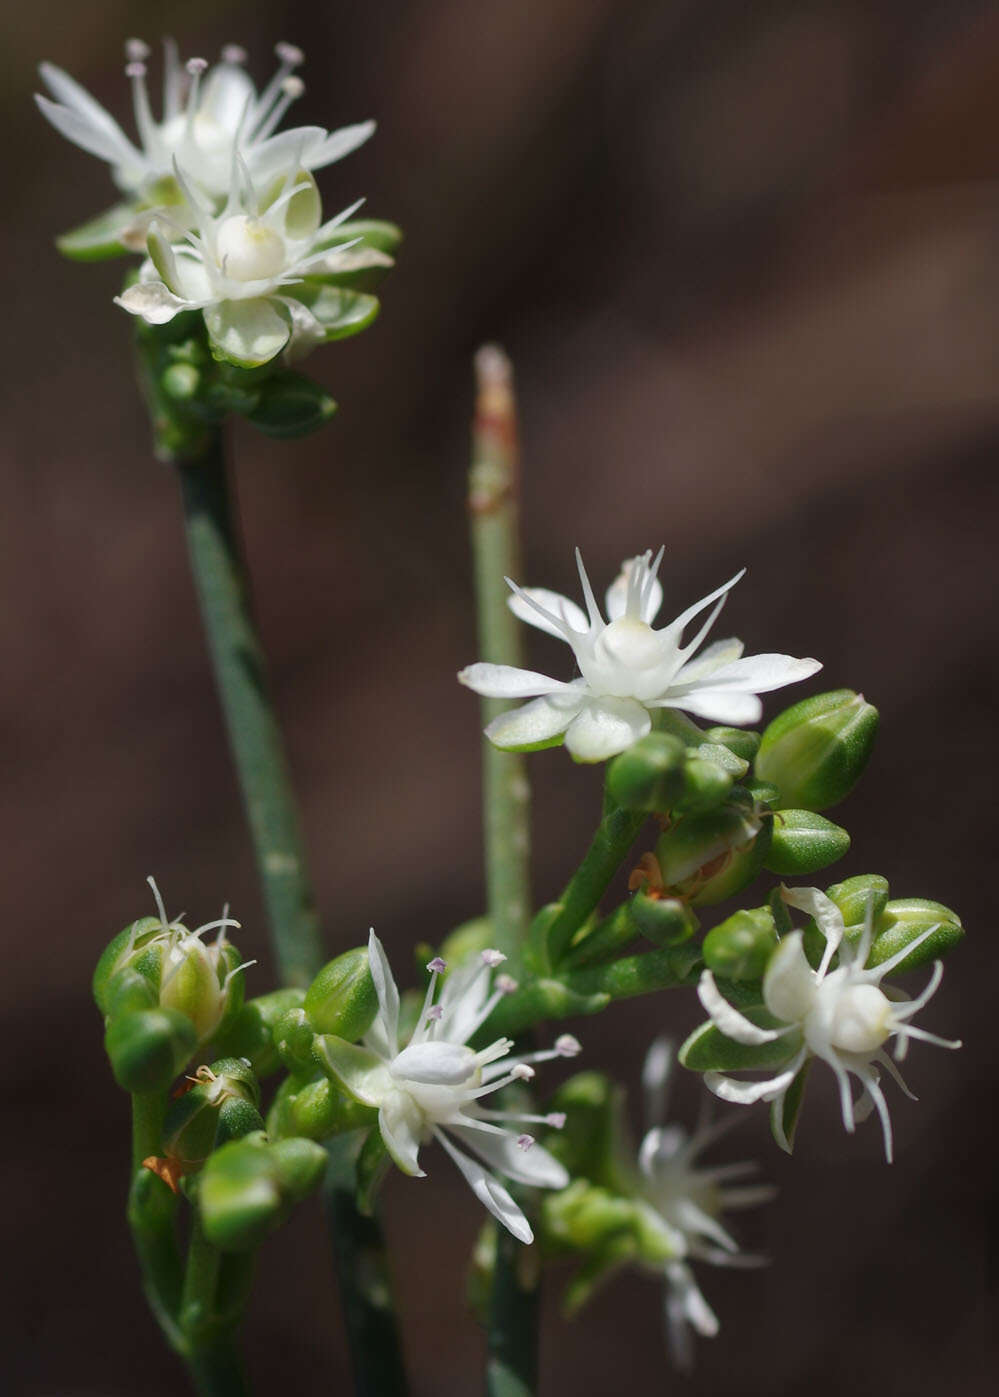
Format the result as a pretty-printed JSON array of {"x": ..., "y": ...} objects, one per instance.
[{"x": 746, "y": 260}]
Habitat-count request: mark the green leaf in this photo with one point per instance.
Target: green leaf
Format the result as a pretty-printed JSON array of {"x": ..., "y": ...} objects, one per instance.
[
  {"x": 708, "y": 1050},
  {"x": 99, "y": 238}
]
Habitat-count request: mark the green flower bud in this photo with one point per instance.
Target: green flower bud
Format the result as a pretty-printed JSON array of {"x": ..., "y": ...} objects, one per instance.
[
  {"x": 250, "y": 1033},
  {"x": 239, "y": 1194},
  {"x": 290, "y": 405},
  {"x": 342, "y": 998},
  {"x": 315, "y": 1108},
  {"x": 665, "y": 921},
  {"x": 584, "y": 1215},
  {"x": 148, "y": 1048},
  {"x": 649, "y": 775},
  {"x": 299, "y": 1166},
  {"x": 587, "y": 1143},
  {"x": 706, "y": 858},
  {"x": 853, "y": 896},
  {"x": 804, "y": 842},
  {"x": 740, "y": 947},
  {"x": 762, "y": 792},
  {"x": 203, "y": 1117},
  {"x": 181, "y": 382},
  {"x": 815, "y": 751},
  {"x": 743, "y": 744},
  {"x": 903, "y": 919},
  {"x": 237, "y": 1117},
  {"x": 705, "y": 786},
  {"x": 293, "y": 1036}
]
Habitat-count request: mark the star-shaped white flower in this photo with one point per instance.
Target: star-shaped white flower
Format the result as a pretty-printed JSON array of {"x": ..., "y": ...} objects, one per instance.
[
  {"x": 432, "y": 1088},
  {"x": 627, "y": 669},
  {"x": 207, "y": 115},
  {"x": 689, "y": 1200},
  {"x": 842, "y": 1016},
  {"x": 256, "y": 269}
]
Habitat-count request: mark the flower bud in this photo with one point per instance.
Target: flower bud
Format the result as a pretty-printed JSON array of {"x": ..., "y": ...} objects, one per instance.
[
  {"x": 250, "y": 1033},
  {"x": 342, "y": 998},
  {"x": 854, "y": 895},
  {"x": 804, "y": 842},
  {"x": 903, "y": 919},
  {"x": 148, "y": 1048},
  {"x": 744, "y": 744},
  {"x": 239, "y": 1194},
  {"x": 293, "y": 1038},
  {"x": 706, "y": 858},
  {"x": 665, "y": 921},
  {"x": 705, "y": 786},
  {"x": 740, "y": 947},
  {"x": 649, "y": 775},
  {"x": 815, "y": 751},
  {"x": 299, "y": 1166},
  {"x": 315, "y": 1108},
  {"x": 584, "y": 1215},
  {"x": 194, "y": 1121},
  {"x": 289, "y": 405}
]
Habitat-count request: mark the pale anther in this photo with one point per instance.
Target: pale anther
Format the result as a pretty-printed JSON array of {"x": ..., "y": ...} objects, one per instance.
[{"x": 289, "y": 53}]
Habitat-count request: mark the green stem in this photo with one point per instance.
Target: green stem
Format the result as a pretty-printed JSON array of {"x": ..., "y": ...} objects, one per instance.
[
  {"x": 493, "y": 509},
  {"x": 493, "y": 480},
  {"x": 254, "y": 734},
  {"x": 209, "y": 1333},
  {"x": 362, "y": 1269},
  {"x": 152, "y": 1209}
]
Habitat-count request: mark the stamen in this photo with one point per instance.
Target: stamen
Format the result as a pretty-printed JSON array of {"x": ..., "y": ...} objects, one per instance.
[
  {"x": 290, "y": 54},
  {"x": 172, "y": 81},
  {"x": 164, "y": 923},
  {"x": 235, "y": 971},
  {"x": 233, "y": 53},
  {"x": 195, "y": 67},
  {"x": 567, "y": 1046},
  {"x": 592, "y": 609},
  {"x": 291, "y": 88},
  {"x": 525, "y": 1141},
  {"x": 558, "y": 621},
  {"x": 493, "y": 958},
  {"x": 506, "y": 984},
  {"x": 136, "y": 50},
  {"x": 435, "y": 1012},
  {"x": 522, "y": 1072},
  {"x": 437, "y": 966},
  {"x": 556, "y": 1119},
  {"x": 135, "y": 70},
  {"x": 651, "y": 573}
]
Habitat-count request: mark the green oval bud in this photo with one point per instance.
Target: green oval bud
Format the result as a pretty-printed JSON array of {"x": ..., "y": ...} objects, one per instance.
[
  {"x": 804, "y": 842},
  {"x": 744, "y": 744},
  {"x": 853, "y": 896},
  {"x": 239, "y": 1196},
  {"x": 117, "y": 955},
  {"x": 815, "y": 751},
  {"x": 237, "y": 1118},
  {"x": 740, "y": 947},
  {"x": 342, "y": 998},
  {"x": 250, "y": 1033},
  {"x": 703, "y": 857},
  {"x": 290, "y": 405},
  {"x": 705, "y": 786},
  {"x": 180, "y": 382},
  {"x": 221, "y": 1105},
  {"x": 665, "y": 921},
  {"x": 299, "y": 1166},
  {"x": 905, "y": 918},
  {"x": 147, "y": 1049},
  {"x": 649, "y": 775},
  {"x": 315, "y": 1109},
  {"x": 293, "y": 1035}
]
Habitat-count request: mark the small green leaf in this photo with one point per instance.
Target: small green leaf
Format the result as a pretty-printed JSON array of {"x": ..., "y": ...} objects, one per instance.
[
  {"x": 99, "y": 238},
  {"x": 708, "y": 1050}
]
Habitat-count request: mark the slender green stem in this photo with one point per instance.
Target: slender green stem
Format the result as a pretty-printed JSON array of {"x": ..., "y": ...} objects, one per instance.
[
  {"x": 362, "y": 1269},
  {"x": 512, "y": 1368},
  {"x": 152, "y": 1209},
  {"x": 493, "y": 507},
  {"x": 253, "y": 728},
  {"x": 209, "y": 1334}
]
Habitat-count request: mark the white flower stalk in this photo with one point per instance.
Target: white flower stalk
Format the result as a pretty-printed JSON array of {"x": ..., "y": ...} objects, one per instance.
[
  {"x": 208, "y": 114},
  {"x": 627, "y": 669},
  {"x": 688, "y": 1200},
  {"x": 251, "y": 268},
  {"x": 842, "y": 1016},
  {"x": 433, "y": 1087}
]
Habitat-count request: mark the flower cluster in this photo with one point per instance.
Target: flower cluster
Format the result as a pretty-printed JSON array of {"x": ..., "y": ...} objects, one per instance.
[
  {"x": 224, "y": 205},
  {"x": 432, "y": 1087},
  {"x": 842, "y": 1016},
  {"x": 627, "y": 669}
]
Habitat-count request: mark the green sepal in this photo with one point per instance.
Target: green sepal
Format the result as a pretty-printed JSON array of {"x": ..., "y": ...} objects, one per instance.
[
  {"x": 315, "y": 1107},
  {"x": 708, "y": 857},
  {"x": 98, "y": 239},
  {"x": 383, "y": 237},
  {"x": 740, "y": 947},
  {"x": 127, "y": 992},
  {"x": 785, "y": 1110},
  {"x": 237, "y": 1117},
  {"x": 288, "y": 406},
  {"x": 723, "y": 757},
  {"x": 250, "y": 1033},
  {"x": 705, "y": 786},
  {"x": 902, "y": 920},
  {"x": 293, "y": 1039},
  {"x": 854, "y": 895},
  {"x": 239, "y": 1195},
  {"x": 816, "y": 750},
  {"x": 299, "y": 1166},
  {"x": 709, "y": 1050},
  {"x": 342, "y": 997},
  {"x": 739, "y": 741},
  {"x": 650, "y": 774},
  {"x": 340, "y": 312},
  {"x": 803, "y": 842},
  {"x": 116, "y": 953},
  {"x": 148, "y": 1048},
  {"x": 665, "y": 921},
  {"x": 373, "y": 1165}
]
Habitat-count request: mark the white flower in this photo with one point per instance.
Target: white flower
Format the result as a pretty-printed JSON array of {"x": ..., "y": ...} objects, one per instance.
[
  {"x": 207, "y": 115},
  {"x": 432, "y": 1087},
  {"x": 255, "y": 269},
  {"x": 627, "y": 669},
  {"x": 689, "y": 1200},
  {"x": 842, "y": 1016}
]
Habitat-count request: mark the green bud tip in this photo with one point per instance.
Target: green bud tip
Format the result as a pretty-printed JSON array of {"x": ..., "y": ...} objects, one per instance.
[{"x": 816, "y": 750}]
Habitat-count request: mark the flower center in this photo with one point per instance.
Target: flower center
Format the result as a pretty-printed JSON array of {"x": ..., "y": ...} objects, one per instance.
[
  {"x": 861, "y": 1019},
  {"x": 629, "y": 642},
  {"x": 249, "y": 250}
]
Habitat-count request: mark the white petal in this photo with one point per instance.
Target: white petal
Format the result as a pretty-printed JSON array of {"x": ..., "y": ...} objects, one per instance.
[
  {"x": 713, "y": 657},
  {"x": 727, "y": 1019},
  {"x": 745, "y": 1093},
  {"x": 272, "y": 157},
  {"x": 789, "y": 982},
  {"x": 361, "y": 1071},
  {"x": 340, "y": 143},
  {"x": 828, "y": 918},
  {"x": 606, "y": 726},
  {"x": 696, "y": 1309},
  {"x": 504, "y": 681},
  {"x": 759, "y": 674},
  {"x": 659, "y": 1146},
  {"x": 249, "y": 332},
  {"x": 82, "y": 120},
  {"x": 656, "y": 1072},
  {"x": 306, "y": 331},
  {"x": 616, "y": 597},
  {"x": 152, "y": 300},
  {"x": 398, "y": 1122},
  {"x": 534, "y": 724},
  {"x": 719, "y": 706},
  {"x": 500, "y": 1150},
  {"x": 554, "y": 602},
  {"x": 224, "y": 95},
  {"x": 437, "y": 1064},
  {"x": 490, "y": 1192},
  {"x": 386, "y": 1026}
]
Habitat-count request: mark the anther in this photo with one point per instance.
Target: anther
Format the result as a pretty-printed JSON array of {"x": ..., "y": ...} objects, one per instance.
[
  {"x": 493, "y": 958},
  {"x": 196, "y": 66},
  {"x": 567, "y": 1046},
  {"x": 293, "y": 87},
  {"x": 135, "y": 69},
  {"x": 437, "y": 966},
  {"x": 556, "y": 1119},
  {"x": 525, "y": 1141},
  {"x": 522, "y": 1072},
  {"x": 136, "y": 50},
  {"x": 506, "y": 984},
  {"x": 233, "y": 53},
  {"x": 435, "y": 1013},
  {"x": 289, "y": 53}
]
